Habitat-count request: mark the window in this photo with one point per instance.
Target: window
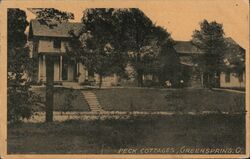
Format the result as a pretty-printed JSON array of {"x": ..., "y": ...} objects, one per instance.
[
  {"x": 227, "y": 77},
  {"x": 57, "y": 43}
]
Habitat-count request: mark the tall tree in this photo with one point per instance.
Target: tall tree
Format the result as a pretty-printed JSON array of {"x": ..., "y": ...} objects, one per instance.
[
  {"x": 165, "y": 64},
  {"x": 138, "y": 28},
  {"x": 20, "y": 99},
  {"x": 144, "y": 42},
  {"x": 46, "y": 16},
  {"x": 98, "y": 47},
  {"x": 210, "y": 39},
  {"x": 126, "y": 32}
]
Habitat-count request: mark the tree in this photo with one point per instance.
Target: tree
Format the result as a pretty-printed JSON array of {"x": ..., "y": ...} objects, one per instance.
[
  {"x": 234, "y": 58},
  {"x": 169, "y": 69},
  {"x": 210, "y": 39},
  {"x": 111, "y": 37},
  {"x": 165, "y": 65},
  {"x": 138, "y": 28},
  {"x": 144, "y": 42},
  {"x": 21, "y": 100},
  {"x": 99, "y": 46},
  {"x": 45, "y": 16}
]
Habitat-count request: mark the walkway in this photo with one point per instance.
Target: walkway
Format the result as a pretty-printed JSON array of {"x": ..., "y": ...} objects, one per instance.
[{"x": 92, "y": 101}]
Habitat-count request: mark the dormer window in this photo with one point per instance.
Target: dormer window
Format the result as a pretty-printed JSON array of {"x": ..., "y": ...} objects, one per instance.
[{"x": 57, "y": 43}]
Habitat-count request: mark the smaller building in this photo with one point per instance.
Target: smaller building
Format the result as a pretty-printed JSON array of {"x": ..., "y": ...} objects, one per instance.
[
  {"x": 232, "y": 80},
  {"x": 232, "y": 76}
]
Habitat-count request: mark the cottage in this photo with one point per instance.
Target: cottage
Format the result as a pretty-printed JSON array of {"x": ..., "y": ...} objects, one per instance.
[
  {"x": 52, "y": 39},
  {"x": 233, "y": 76}
]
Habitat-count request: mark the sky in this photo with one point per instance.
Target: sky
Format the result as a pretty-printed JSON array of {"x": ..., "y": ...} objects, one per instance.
[{"x": 179, "y": 17}]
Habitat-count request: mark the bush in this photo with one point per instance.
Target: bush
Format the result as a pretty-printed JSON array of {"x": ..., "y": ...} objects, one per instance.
[
  {"x": 67, "y": 104},
  {"x": 22, "y": 103}
]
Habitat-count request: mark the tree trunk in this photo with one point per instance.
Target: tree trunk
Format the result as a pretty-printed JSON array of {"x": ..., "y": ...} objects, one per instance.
[
  {"x": 100, "y": 82},
  {"x": 140, "y": 78},
  {"x": 218, "y": 79},
  {"x": 202, "y": 80},
  {"x": 206, "y": 80},
  {"x": 49, "y": 88},
  {"x": 210, "y": 81}
]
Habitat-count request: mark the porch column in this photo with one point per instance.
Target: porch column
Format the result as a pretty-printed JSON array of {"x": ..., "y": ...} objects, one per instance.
[
  {"x": 60, "y": 69},
  {"x": 44, "y": 68},
  {"x": 39, "y": 68}
]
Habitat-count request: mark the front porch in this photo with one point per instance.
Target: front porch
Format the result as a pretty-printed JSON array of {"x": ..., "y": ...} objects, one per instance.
[{"x": 66, "y": 69}]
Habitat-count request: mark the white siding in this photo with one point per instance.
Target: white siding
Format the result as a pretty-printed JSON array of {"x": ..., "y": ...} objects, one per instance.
[
  {"x": 234, "y": 81},
  {"x": 47, "y": 46},
  {"x": 42, "y": 68},
  {"x": 57, "y": 70}
]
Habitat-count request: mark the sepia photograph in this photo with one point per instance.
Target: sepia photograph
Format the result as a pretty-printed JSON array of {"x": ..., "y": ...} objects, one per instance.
[{"x": 158, "y": 77}]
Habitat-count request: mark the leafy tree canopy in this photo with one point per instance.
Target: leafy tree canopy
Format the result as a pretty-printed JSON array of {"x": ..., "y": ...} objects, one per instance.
[
  {"x": 99, "y": 47},
  {"x": 111, "y": 37},
  {"x": 144, "y": 42},
  {"x": 49, "y": 14},
  {"x": 210, "y": 39},
  {"x": 234, "y": 58},
  {"x": 20, "y": 99}
]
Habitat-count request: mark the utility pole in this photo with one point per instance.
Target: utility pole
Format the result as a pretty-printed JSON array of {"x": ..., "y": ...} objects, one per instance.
[{"x": 49, "y": 87}]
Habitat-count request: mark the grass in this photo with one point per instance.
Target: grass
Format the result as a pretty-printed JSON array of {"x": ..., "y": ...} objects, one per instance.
[
  {"x": 108, "y": 136},
  {"x": 184, "y": 100},
  {"x": 65, "y": 99}
]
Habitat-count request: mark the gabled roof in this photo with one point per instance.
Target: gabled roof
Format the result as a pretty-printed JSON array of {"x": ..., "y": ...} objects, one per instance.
[
  {"x": 53, "y": 29},
  {"x": 186, "y": 47},
  {"x": 230, "y": 42}
]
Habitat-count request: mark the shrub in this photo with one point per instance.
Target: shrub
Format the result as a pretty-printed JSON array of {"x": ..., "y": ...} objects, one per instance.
[
  {"x": 22, "y": 103},
  {"x": 67, "y": 104}
]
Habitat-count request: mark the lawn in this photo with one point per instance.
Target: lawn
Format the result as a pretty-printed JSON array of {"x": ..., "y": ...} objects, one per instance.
[
  {"x": 149, "y": 131},
  {"x": 108, "y": 136},
  {"x": 65, "y": 99},
  {"x": 183, "y": 100}
]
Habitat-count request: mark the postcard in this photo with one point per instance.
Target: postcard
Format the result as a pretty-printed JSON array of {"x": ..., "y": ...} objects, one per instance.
[{"x": 124, "y": 79}]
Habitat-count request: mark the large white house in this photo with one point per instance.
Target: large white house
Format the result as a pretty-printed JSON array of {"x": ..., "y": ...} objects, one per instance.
[{"x": 53, "y": 39}]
